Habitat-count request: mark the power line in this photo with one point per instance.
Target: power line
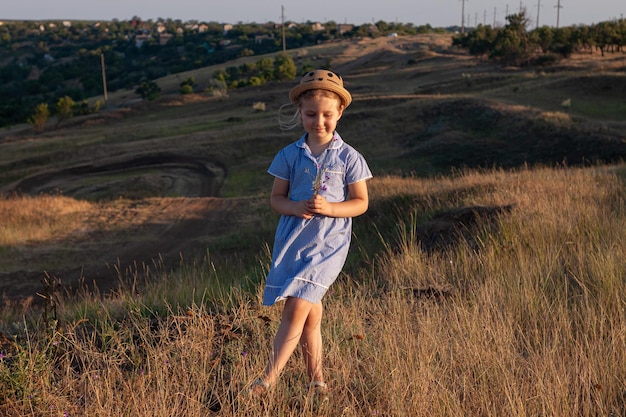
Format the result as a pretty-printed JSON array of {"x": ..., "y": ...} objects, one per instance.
[{"x": 558, "y": 12}]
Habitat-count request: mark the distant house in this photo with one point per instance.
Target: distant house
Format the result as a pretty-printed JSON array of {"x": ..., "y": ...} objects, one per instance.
[
  {"x": 317, "y": 27},
  {"x": 344, "y": 28},
  {"x": 164, "y": 38},
  {"x": 67, "y": 23},
  {"x": 259, "y": 39},
  {"x": 161, "y": 27},
  {"x": 227, "y": 27},
  {"x": 203, "y": 28},
  {"x": 140, "y": 40}
]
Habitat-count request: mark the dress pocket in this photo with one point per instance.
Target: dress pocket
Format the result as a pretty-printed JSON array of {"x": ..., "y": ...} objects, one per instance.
[{"x": 333, "y": 183}]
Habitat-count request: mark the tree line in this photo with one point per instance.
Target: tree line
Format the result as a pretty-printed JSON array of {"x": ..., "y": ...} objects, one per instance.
[
  {"x": 44, "y": 61},
  {"x": 513, "y": 44}
]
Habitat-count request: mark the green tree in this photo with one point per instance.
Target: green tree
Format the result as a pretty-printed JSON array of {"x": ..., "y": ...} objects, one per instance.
[
  {"x": 544, "y": 37},
  {"x": 39, "y": 118},
  {"x": 512, "y": 45},
  {"x": 479, "y": 42},
  {"x": 148, "y": 90},
  {"x": 584, "y": 38},
  {"x": 483, "y": 42},
  {"x": 564, "y": 42},
  {"x": 64, "y": 109},
  {"x": 606, "y": 36},
  {"x": 265, "y": 68},
  {"x": 284, "y": 67}
]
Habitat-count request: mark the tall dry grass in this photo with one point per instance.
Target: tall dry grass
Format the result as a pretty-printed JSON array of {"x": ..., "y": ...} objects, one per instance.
[{"x": 524, "y": 316}]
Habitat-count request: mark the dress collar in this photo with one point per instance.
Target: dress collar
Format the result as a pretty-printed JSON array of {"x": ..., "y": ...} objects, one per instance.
[{"x": 335, "y": 143}]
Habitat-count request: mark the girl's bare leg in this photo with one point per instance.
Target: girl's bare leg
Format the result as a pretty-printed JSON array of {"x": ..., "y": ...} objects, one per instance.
[
  {"x": 311, "y": 343},
  {"x": 295, "y": 315}
]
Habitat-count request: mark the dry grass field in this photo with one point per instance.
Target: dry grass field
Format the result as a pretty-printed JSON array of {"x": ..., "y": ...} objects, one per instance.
[{"x": 487, "y": 278}]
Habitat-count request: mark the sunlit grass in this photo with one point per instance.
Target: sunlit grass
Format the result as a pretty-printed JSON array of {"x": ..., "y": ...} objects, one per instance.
[
  {"x": 26, "y": 218},
  {"x": 524, "y": 316}
]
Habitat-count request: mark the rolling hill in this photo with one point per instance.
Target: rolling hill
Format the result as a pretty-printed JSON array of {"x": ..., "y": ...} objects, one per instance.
[{"x": 185, "y": 174}]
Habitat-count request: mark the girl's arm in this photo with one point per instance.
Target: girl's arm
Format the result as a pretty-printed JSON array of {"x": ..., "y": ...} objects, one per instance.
[
  {"x": 282, "y": 204},
  {"x": 357, "y": 203}
]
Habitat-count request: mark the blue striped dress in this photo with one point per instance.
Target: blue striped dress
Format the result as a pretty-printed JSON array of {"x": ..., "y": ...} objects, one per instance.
[{"x": 308, "y": 255}]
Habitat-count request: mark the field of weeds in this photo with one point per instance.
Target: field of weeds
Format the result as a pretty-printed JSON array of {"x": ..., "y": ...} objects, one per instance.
[{"x": 482, "y": 293}]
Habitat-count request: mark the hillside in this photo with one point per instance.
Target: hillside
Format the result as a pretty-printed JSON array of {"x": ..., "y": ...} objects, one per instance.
[{"x": 185, "y": 174}]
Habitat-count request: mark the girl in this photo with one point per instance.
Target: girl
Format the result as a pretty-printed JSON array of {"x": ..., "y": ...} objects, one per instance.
[{"x": 319, "y": 185}]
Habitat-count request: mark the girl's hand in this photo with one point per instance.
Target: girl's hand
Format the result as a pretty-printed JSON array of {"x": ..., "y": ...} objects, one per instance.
[
  {"x": 355, "y": 205},
  {"x": 302, "y": 210},
  {"x": 318, "y": 205},
  {"x": 281, "y": 203}
]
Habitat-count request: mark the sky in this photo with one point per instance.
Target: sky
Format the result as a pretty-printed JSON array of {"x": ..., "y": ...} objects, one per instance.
[{"x": 438, "y": 13}]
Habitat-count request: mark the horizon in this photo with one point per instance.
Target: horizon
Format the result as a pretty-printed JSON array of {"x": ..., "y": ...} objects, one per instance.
[{"x": 469, "y": 13}]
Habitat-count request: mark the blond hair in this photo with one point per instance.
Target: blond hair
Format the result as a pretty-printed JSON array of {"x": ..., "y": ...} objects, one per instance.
[{"x": 292, "y": 120}]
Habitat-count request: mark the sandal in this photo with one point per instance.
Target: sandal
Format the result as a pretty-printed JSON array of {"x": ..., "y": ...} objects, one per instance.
[
  {"x": 257, "y": 388},
  {"x": 318, "y": 386},
  {"x": 320, "y": 391}
]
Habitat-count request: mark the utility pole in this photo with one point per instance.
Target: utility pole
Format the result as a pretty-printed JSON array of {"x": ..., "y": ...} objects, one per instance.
[
  {"x": 538, "y": 7},
  {"x": 558, "y": 12},
  {"x": 282, "y": 18},
  {"x": 494, "y": 17},
  {"x": 463, "y": 16},
  {"x": 104, "y": 77}
]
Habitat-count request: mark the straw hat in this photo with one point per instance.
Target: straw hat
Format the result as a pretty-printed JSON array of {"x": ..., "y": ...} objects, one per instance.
[{"x": 321, "y": 80}]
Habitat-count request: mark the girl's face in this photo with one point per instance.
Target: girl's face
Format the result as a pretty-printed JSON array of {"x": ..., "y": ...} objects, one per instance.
[{"x": 320, "y": 115}]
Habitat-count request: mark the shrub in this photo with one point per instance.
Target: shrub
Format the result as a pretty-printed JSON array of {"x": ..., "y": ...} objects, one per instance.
[
  {"x": 39, "y": 117},
  {"x": 149, "y": 90},
  {"x": 217, "y": 88},
  {"x": 186, "y": 89},
  {"x": 64, "y": 109}
]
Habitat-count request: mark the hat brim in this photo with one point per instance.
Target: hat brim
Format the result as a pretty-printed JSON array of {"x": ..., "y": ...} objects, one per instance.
[{"x": 343, "y": 94}]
